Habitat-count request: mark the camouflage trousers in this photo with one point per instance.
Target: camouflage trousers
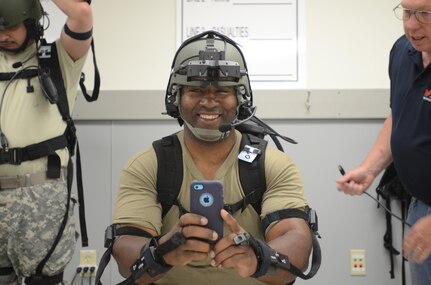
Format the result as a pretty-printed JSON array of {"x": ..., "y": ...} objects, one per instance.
[{"x": 30, "y": 218}]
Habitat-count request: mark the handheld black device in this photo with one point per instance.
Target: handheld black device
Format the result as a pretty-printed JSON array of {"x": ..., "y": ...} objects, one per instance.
[
  {"x": 341, "y": 169},
  {"x": 206, "y": 199}
]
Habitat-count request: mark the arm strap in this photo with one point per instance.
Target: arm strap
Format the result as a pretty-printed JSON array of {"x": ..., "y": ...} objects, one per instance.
[
  {"x": 151, "y": 258},
  {"x": 111, "y": 233},
  {"x": 78, "y": 36},
  {"x": 268, "y": 260}
]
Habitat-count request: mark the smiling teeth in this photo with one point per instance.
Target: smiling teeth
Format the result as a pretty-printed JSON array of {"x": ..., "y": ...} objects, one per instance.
[{"x": 208, "y": 117}]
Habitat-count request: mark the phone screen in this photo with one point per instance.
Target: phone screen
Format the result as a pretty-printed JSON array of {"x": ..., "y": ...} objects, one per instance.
[{"x": 206, "y": 199}]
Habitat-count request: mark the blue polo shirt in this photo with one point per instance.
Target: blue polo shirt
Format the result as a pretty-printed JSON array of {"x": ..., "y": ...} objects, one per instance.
[{"x": 411, "y": 114}]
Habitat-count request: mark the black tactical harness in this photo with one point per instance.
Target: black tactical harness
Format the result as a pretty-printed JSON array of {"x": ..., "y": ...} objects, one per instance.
[{"x": 49, "y": 64}]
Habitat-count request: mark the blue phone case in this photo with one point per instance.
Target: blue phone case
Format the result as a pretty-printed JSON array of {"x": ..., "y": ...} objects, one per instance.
[{"x": 206, "y": 199}]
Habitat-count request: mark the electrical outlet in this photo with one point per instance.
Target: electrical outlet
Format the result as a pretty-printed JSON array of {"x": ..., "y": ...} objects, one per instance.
[
  {"x": 88, "y": 257},
  {"x": 88, "y": 262},
  {"x": 357, "y": 262}
]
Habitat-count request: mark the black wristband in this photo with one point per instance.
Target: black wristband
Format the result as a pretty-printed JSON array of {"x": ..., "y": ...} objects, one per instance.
[
  {"x": 264, "y": 259},
  {"x": 175, "y": 241},
  {"x": 268, "y": 260},
  {"x": 263, "y": 253},
  {"x": 147, "y": 262},
  {"x": 78, "y": 36}
]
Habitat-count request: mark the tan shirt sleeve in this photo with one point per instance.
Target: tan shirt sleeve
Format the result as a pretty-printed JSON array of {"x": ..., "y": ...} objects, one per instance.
[
  {"x": 136, "y": 202},
  {"x": 284, "y": 185}
]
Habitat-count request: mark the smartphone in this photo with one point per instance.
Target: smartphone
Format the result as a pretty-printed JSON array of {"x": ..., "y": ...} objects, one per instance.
[{"x": 206, "y": 199}]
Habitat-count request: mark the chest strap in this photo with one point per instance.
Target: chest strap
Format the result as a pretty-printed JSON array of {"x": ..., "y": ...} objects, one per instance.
[
  {"x": 18, "y": 155},
  {"x": 23, "y": 74}
]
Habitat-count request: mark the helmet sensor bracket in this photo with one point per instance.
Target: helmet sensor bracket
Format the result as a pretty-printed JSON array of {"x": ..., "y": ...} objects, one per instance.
[{"x": 212, "y": 66}]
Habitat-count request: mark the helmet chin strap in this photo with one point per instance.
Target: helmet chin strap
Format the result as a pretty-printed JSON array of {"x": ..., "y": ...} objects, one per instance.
[{"x": 206, "y": 134}]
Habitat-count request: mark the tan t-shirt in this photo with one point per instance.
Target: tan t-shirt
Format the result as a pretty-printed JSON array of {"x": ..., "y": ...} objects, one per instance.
[
  {"x": 137, "y": 203},
  {"x": 28, "y": 118}
]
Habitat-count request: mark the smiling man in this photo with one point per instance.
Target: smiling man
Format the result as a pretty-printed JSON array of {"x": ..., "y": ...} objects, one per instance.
[
  {"x": 208, "y": 93},
  {"x": 204, "y": 109}
]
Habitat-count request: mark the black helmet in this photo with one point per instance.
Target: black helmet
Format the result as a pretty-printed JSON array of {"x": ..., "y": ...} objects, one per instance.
[
  {"x": 13, "y": 12},
  {"x": 209, "y": 57}
]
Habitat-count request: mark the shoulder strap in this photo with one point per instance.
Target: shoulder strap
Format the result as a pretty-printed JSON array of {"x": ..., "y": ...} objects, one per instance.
[
  {"x": 169, "y": 171},
  {"x": 252, "y": 175},
  {"x": 48, "y": 61}
]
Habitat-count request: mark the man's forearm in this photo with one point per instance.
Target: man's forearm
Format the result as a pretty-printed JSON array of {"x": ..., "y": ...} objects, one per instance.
[{"x": 380, "y": 156}]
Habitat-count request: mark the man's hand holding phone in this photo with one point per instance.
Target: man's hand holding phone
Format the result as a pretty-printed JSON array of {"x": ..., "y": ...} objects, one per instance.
[
  {"x": 206, "y": 199},
  {"x": 229, "y": 254},
  {"x": 197, "y": 246}
]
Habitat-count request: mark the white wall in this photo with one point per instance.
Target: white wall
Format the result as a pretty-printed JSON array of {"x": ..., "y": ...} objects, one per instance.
[
  {"x": 347, "y": 42},
  {"x": 346, "y": 61}
]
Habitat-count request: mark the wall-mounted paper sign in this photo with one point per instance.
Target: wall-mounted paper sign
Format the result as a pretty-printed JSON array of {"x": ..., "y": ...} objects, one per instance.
[{"x": 271, "y": 35}]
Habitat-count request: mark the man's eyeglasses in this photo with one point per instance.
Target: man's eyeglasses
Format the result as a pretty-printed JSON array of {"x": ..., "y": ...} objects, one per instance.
[{"x": 404, "y": 14}]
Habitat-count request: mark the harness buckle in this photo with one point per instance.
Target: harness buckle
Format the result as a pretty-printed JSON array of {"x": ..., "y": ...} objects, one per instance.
[
  {"x": 109, "y": 236},
  {"x": 11, "y": 156},
  {"x": 16, "y": 156},
  {"x": 313, "y": 221},
  {"x": 228, "y": 208}
]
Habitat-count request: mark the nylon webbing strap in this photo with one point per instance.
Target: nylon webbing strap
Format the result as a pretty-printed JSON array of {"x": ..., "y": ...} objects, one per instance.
[
  {"x": 286, "y": 265},
  {"x": 250, "y": 198},
  {"x": 6, "y": 270},
  {"x": 170, "y": 170},
  {"x": 53, "y": 66},
  {"x": 252, "y": 175},
  {"x": 96, "y": 88},
  {"x": 283, "y": 214},
  {"x": 23, "y": 74},
  {"x": 316, "y": 260},
  {"x": 80, "y": 189},
  {"x": 106, "y": 257},
  {"x": 111, "y": 233},
  {"x": 404, "y": 206},
  {"x": 296, "y": 213},
  {"x": 17, "y": 155},
  {"x": 44, "y": 280}
]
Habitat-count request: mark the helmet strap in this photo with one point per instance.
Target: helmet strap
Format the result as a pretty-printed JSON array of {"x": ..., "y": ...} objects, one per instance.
[{"x": 207, "y": 135}]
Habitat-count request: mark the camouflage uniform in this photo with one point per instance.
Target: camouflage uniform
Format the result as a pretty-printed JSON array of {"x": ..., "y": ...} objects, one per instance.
[{"x": 30, "y": 218}]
